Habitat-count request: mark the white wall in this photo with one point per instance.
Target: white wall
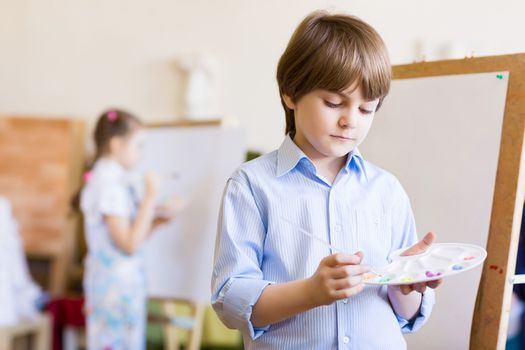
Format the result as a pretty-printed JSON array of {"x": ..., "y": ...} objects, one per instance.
[
  {"x": 78, "y": 57},
  {"x": 75, "y": 58}
]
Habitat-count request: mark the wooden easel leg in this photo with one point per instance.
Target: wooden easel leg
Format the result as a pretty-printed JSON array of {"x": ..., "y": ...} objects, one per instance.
[
  {"x": 194, "y": 342},
  {"x": 42, "y": 336},
  {"x": 5, "y": 340},
  {"x": 171, "y": 342}
]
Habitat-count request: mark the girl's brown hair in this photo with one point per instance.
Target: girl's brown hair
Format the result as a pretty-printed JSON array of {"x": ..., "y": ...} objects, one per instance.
[
  {"x": 332, "y": 52},
  {"x": 111, "y": 123}
]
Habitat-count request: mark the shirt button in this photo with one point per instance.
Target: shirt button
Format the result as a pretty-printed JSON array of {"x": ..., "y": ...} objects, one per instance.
[
  {"x": 345, "y": 301},
  {"x": 337, "y": 228},
  {"x": 376, "y": 221},
  {"x": 346, "y": 340}
]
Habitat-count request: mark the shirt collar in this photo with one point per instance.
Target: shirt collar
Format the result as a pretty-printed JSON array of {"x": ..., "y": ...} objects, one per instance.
[
  {"x": 289, "y": 155},
  {"x": 356, "y": 158},
  {"x": 111, "y": 169}
]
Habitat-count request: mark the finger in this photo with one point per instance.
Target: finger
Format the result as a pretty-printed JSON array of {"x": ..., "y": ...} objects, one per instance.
[
  {"x": 341, "y": 259},
  {"x": 420, "y": 287},
  {"x": 348, "y": 271},
  {"x": 345, "y": 283},
  {"x": 434, "y": 284},
  {"x": 349, "y": 292},
  {"x": 361, "y": 255},
  {"x": 151, "y": 175},
  {"x": 420, "y": 246},
  {"x": 405, "y": 289}
]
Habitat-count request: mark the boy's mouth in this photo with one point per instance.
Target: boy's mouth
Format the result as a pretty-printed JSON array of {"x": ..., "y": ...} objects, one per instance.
[{"x": 343, "y": 138}]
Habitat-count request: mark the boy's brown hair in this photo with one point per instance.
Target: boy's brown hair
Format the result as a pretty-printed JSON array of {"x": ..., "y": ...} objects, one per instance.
[{"x": 333, "y": 52}]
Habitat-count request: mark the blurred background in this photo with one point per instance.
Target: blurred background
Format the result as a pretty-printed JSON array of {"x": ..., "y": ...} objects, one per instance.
[
  {"x": 74, "y": 58},
  {"x": 170, "y": 62}
]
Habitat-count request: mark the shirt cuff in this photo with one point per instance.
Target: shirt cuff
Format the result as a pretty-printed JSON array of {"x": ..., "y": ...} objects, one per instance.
[
  {"x": 236, "y": 301},
  {"x": 427, "y": 303}
]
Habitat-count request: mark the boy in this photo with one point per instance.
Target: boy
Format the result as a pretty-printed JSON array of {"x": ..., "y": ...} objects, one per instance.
[{"x": 280, "y": 288}]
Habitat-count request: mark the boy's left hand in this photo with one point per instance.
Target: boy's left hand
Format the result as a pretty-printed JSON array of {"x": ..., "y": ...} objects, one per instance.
[{"x": 419, "y": 248}]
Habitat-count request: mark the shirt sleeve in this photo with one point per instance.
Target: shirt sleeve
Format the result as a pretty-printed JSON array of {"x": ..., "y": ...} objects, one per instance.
[
  {"x": 114, "y": 200},
  {"x": 237, "y": 279},
  {"x": 427, "y": 303},
  {"x": 404, "y": 234}
]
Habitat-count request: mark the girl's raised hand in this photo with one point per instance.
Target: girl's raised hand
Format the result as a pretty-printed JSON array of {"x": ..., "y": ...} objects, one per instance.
[
  {"x": 338, "y": 276},
  {"x": 152, "y": 184}
]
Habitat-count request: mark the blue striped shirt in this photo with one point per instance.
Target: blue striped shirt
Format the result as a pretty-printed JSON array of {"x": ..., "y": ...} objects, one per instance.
[{"x": 365, "y": 208}]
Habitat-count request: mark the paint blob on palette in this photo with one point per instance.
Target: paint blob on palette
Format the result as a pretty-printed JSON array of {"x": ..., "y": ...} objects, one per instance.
[{"x": 439, "y": 261}]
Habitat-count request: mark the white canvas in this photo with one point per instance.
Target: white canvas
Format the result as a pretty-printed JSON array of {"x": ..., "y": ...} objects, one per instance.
[
  {"x": 441, "y": 137},
  {"x": 196, "y": 163}
]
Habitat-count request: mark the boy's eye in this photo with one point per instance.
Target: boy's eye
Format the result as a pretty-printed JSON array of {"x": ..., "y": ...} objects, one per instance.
[
  {"x": 332, "y": 105},
  {"x": 366, "y": 111}
]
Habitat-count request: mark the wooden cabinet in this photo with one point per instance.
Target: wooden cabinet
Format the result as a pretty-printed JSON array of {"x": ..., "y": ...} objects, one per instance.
[{"x": 41, "y": 161}]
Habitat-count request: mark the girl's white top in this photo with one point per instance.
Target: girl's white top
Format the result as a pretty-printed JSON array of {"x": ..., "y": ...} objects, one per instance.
[{"x": 109, "y": 192}]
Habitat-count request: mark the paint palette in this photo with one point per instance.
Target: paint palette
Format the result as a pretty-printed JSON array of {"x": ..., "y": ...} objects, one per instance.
[
  {"x": 170, "y": 207},
  {"x": 439, "y": 261}
]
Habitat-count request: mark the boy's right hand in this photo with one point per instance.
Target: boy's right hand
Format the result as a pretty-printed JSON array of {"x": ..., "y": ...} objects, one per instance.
[{"x": 338, "y": 276}]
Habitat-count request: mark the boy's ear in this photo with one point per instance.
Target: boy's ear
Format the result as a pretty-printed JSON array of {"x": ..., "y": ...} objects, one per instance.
[{"x": 288, "y": 102}]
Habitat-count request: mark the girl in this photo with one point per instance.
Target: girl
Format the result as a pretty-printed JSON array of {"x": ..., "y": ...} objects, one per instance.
[{"x": 117, "y": 222}]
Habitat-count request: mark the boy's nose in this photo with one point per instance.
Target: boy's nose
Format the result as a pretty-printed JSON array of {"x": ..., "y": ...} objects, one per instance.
[{"x": 348, "y": 120}]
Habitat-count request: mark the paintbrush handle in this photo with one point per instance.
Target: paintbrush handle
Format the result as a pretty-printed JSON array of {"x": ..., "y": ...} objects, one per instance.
[
  {"x": 322, "y": 241},
  {"x": 310, "y": 235}
]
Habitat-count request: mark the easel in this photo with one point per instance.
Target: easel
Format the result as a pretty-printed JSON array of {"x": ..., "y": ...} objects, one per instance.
[
  {"x": 169, "y": 318},
  {"x": 491, "y": 314},
  {"x": 172, "y": 322}
]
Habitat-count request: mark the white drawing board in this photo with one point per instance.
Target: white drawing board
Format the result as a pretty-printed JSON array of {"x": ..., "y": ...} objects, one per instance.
[
  {"x": 440, "y": 136},
  {"x": 195, "y": 163}
]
